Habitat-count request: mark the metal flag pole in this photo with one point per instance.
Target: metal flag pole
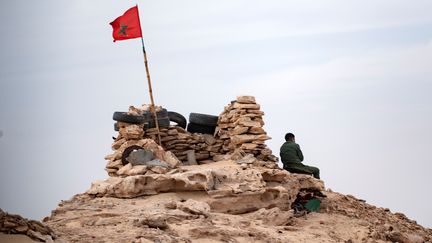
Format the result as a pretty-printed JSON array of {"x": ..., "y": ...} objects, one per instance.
[{"x": 152, "y": 107}]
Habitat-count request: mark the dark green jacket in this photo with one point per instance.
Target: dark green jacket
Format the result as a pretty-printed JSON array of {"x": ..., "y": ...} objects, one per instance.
[{"x": 290, "y": 153}]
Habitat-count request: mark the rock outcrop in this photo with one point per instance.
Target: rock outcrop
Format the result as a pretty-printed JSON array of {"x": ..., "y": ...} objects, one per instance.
[
  {"x": 224, "y": 201},
  {"x": 195, "y": 216},
  {"x": 16, "y": 224},
  {"x": 229, "y": 187}
]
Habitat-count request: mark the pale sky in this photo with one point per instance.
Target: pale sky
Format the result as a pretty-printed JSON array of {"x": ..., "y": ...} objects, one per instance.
[{"x": 352, "y": 80}]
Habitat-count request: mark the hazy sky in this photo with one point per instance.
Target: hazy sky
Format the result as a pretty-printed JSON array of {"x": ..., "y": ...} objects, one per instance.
[{"x": 352, "y": 80}]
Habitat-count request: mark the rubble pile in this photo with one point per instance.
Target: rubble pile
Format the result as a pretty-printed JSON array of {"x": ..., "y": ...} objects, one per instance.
[
  {"x": 240, "y": 126},
  {"x": 15, "y": 224}
]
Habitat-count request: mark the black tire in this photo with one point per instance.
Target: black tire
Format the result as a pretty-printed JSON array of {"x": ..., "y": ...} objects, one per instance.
[
  {"x": 149, "y": 115},
  {"x": 177, "y": 118},
  {"x": 203, "y": 119},
  {"x": 197, "y": 128},
  {"x": 125, "y": 117},
  {"x": 116, "y": 127},
  {"x": 162, "y": 121},
  {"x": 162, "y": 113},
  {"x": 128, "y": 151}
]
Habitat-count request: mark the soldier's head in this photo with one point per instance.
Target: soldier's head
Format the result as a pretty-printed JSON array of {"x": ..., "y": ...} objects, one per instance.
[{"x": 289, "y": 137}]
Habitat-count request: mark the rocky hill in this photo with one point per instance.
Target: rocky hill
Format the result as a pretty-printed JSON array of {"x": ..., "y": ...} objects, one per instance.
[
  {"x": 221, "y": 184},
  {"x": 224, "y": 202}
]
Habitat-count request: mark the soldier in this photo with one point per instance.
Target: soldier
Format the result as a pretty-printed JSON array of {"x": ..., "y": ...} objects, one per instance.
[{"x": 292, "y": 157}]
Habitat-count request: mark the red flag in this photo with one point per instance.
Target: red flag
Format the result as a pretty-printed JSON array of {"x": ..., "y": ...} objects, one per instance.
[{"x": 127, "y": 26}]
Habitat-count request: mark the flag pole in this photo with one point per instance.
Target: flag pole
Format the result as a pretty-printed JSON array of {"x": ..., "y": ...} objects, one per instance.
[{"x": 152, "y": 107}]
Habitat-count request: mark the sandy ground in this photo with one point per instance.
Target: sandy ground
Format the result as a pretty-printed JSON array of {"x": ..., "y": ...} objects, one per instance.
[{"x": 6, "y": 238}]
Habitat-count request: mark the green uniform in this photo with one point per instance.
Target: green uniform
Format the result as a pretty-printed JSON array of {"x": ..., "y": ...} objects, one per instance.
[{"x": 292, "y": 157}]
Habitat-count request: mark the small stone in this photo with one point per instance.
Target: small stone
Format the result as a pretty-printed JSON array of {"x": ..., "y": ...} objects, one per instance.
[
  {"x": 257, "y": 130},
  {"x": 238, "y": 130},
  {"x": 246, "y": 106},
  {"x": 171, "y": 205},
  {"x": 154, "y": 222},
  {"x": 194, "y": 207},
  {"x": 247, "y": 138},
  {"x": 9, "y": 224},
  {"x": 246, "y": 99},
  {"x": 22, "y": 228},
  {"x": 159, "y": 169},
  {"x": 138, "y": 170},
  {"x": 248, "y": 159},
  {"x": 114, "y": 164},
  {"x": 173, "y": 132},
  {"x": 171, "y": 159},
  {"x": 36, "y": 235},
  {"x": 118, "y": 143},
  {"x": 132, "y": 132},
  {"x": 124, "y": 171},
  {"x": 248, "y": 146},
  {"x": 219, "y": 157}
]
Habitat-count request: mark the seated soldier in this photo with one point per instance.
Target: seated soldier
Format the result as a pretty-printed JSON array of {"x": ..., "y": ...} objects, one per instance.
[{"x": 292, "y": 156}]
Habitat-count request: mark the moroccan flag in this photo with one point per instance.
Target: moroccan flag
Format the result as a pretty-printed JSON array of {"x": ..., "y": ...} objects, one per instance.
[{"x": 127, "y": 26}]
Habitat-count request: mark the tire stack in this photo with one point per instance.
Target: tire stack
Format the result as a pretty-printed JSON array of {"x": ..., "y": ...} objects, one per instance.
[
  {"x": 240, "y": 126},
  {"x": 146, "y": 118},
  {"x": 202, "y": 123}
]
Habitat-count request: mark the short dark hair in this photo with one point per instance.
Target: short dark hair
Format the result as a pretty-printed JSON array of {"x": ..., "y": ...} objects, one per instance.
[{"x": 289, "y": 136}]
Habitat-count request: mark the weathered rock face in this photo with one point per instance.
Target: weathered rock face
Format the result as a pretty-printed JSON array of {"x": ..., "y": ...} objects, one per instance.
[
  {"x": 15, "y": 224},
  {"x": 230, "y": 187},
  {"x": 195, "y": 216}
]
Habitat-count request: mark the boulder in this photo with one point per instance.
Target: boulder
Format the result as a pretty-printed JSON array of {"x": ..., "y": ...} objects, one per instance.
[{"x": 140, "y": 157}]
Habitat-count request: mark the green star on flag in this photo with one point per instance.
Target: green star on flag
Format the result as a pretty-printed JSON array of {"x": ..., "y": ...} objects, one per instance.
[
  {"x": 123, "y": 29},
  {"x": 127, "y": 26}
]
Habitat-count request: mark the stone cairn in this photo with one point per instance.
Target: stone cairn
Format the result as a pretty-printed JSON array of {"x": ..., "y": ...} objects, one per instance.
[
  {"x": 239, "y": 133},
  {"x": 240, "y": 126}
]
